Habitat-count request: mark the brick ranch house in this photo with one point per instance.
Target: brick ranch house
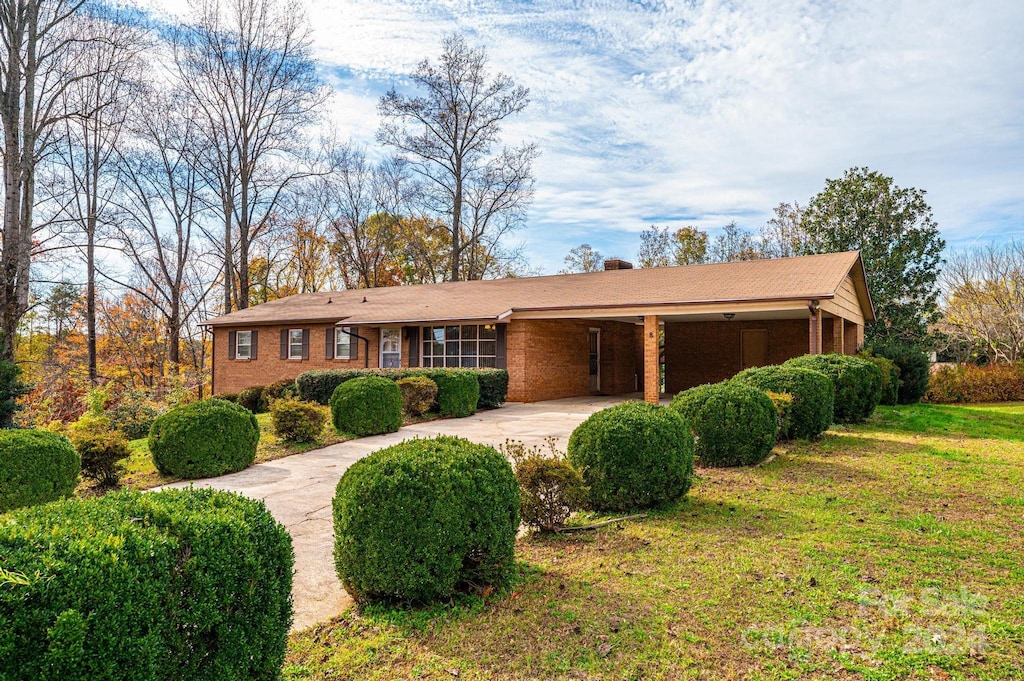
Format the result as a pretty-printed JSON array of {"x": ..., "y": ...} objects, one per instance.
[{"x": 563, "y": 335}]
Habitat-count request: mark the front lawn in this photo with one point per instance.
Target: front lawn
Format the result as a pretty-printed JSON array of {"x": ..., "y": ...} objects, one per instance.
[
  {"x": 140, "y": 473},
  {"x": 890, "y": 550}
]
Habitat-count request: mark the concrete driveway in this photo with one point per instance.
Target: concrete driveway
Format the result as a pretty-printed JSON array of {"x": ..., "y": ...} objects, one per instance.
[{"x": 298, "y": 489}]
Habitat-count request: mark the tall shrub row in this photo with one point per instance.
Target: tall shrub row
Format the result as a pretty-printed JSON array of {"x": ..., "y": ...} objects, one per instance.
[
  {"x": 319, "y": 385},
  {"x": 857, "y": 383},
  {"x": 970, "y": 383}
]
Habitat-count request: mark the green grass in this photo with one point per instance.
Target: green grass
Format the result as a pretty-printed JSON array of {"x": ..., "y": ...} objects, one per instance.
[
  {"x": 890, "y": 550},
  {"x": 140, "y": 473}
]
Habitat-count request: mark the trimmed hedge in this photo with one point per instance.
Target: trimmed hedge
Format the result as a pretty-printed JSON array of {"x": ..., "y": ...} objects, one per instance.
[
  {"x": 890, "y": 377},
  {"x": 204, "y": 439},
  {"x": 276, "y": 391},
  {"x": 734, "y": 423},
  {"x": 813, "y": 397},
  {"x": 297, "y": 421},
  {"x": 178, "y": 584},
  {"x": 857, "y": 382},
  {"x": 493, "y": 387},
  {"x": 783, "y": 403},
  {"x": 633, "y": 455},
  {"x": 318, "y": 385},
  {"x": 368, "y": 405},
  {"x": 457, "y": 391},
  {"x": 420, "y": 520},
  {"x": 36, "y": 466},
  {"x": 419, "y": 394},
  {"x": 252, "y": 399},
  {"x": 915, "y": 370}
]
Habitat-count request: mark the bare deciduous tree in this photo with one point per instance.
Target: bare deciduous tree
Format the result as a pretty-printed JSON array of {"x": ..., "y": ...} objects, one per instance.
[
  {"x": 37, "y": 66},
  {"x": 95, "y": 110},
  {"x": 160, "y": 211},
  {"x": 247, "y": 66},
  {"x": 448, "y": 135},
  {"x": 583, "y": 258},
  {"x": 983, "y": 306},
  {"x": 783, "y": 237}
]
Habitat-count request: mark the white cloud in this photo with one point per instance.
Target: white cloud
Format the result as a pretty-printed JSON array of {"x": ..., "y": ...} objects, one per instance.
[{"x": 704, "y": 111}]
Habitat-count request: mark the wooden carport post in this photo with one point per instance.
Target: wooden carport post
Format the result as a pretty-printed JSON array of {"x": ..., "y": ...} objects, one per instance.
[
  {"x": 652, "y": 368},
  {"x": 814, "y": 329}
]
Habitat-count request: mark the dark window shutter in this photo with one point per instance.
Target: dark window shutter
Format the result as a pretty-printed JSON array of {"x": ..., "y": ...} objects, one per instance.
[
  {"x": 353, "y": 344},
  {"x": 284, "y": 343},
  {"x": 305, "y": 344},
  {"x": 255, "y": 344},
  {"x": 232, "y": 343},
  {"x": 413, "y": 333},
  {"x": 499, "y": 361},
  {"x": 329, "y": 343}
]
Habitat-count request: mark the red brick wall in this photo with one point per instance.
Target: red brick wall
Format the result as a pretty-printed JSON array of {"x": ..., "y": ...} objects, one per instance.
[
  {"x": 550, "y": 359},
  {"x": 853, "y": 336},
  {"x": 708, "y": 352},
  {"x": 232, "y": 375}
]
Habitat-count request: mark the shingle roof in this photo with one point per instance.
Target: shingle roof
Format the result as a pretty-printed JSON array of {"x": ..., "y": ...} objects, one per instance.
[{"x": 800, "y": 278}]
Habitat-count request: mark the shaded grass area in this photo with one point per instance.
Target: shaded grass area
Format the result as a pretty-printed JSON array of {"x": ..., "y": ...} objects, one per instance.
[
  {"x": 140, "y": 473},
  {"x": 890, "y": 550}
]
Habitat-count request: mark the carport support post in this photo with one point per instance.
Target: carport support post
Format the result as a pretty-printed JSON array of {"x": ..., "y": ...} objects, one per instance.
[
  {"x": 838, "y": 342},
  {"x": 652, "y": 370},
  {"x": 814, "y": 331}
]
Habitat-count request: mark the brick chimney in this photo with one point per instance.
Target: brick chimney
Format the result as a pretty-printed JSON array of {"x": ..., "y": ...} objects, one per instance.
[{"x": 617, "y": 264}]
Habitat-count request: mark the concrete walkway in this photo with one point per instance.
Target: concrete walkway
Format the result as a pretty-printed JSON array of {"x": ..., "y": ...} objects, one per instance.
[{"x": 298, "y": 489}]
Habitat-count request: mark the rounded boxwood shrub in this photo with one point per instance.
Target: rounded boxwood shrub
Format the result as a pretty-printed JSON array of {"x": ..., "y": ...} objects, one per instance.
[
  {"x": 914, "y": 367},
  {"x": 297, "y": 421},
  {"x": 178, "y": 584},
  {"x": 734, "y": 424},
  {"x": 420, "y": 520},
  {"x": 458, "y": 391},
  {"x": 493, "y": 387},
  {"x": 813, "y": 397},
  {"x": 857, "y": 383},
  {"x": 368, "y": 405},
  {"x": 633, "y": 455},
  {"x": 252, "y": 399},
  {"x": 204, "y": 439},
  {"x": 890, "y": 377},
  {"x": 419, "y": 394},
  {"x": 36, "y": 466}
]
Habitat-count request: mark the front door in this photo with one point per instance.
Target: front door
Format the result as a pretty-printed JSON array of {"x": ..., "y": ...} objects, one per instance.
[
  {"x": 595, "y": 360},
  {"x": 754, "y": 347},
  {"x": 391, "y": 348}
]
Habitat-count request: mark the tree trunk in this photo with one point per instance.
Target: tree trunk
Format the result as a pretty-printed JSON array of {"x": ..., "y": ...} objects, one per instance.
[{"x": 90, "y": 295}]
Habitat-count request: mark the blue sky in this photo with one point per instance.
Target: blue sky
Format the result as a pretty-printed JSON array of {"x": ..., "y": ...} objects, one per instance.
[{"x": 677, "y": 113}]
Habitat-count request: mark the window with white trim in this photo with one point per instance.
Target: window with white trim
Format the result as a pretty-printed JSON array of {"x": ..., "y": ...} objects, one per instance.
[
  {"x": 343, "y": 342},
  {"x": 294, "y": 343},
  {"x": 243, "y": 345},
  {"x": 464, "y": 345}
]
